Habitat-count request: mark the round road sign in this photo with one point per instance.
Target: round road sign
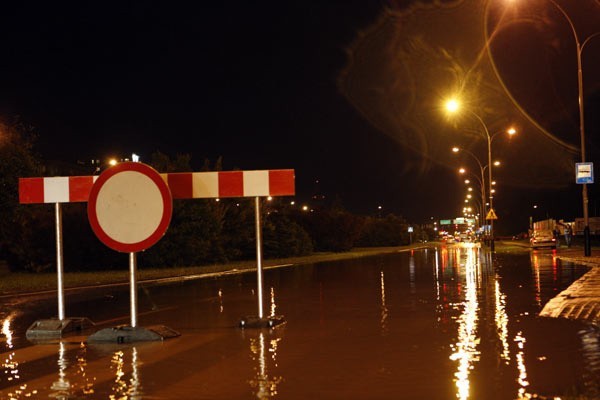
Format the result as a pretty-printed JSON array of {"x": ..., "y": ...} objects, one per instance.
[{"x": 130, "y": 207}]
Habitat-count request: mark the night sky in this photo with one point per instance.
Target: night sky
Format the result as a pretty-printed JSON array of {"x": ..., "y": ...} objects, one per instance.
[{"x": 345, "y": 92}]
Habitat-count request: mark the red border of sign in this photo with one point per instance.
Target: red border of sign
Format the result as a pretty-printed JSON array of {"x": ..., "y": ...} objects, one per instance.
[{"x": 167, "y": 207}]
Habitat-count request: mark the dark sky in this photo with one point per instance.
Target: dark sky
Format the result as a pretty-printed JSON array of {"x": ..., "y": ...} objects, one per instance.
[{"x": 345, "y": 92}]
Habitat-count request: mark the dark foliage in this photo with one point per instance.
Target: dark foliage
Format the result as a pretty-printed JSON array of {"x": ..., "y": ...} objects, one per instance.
[
  {"x": 201, "y": 231},
  {"x": 389, "y": 231}
]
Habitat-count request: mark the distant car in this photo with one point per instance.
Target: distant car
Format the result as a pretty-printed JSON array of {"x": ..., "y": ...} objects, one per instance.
[{"x": 542, "y": 239}]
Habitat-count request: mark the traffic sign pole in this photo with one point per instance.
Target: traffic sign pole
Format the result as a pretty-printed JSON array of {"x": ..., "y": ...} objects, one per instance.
[
  {"x": 260, "y": 321},
  {"x": 259, "y": 271},
  {"x": 129, "y": 209},
  {"x": 133, "y": 288},
  {"x": 59, "y": 262}
]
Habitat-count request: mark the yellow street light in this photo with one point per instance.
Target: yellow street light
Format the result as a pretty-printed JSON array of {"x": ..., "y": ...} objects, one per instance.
[
  {"x": 452, "y": 105},
  {"x": 579, "y": 46}
]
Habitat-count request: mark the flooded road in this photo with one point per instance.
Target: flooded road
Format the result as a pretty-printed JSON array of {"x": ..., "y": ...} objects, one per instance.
[{"x": 445, "y": 323}]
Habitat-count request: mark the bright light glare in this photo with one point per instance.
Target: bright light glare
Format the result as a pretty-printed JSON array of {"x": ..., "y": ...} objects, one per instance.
[
  {"x": 452, "y": 105},
  {"x": 511, "y": 131},
  {"x": 462, "y": 170},
  {"x": 455, "y": 149},
  {"x": 496, "y": 163},
  {"x": 112, "y": 161}
]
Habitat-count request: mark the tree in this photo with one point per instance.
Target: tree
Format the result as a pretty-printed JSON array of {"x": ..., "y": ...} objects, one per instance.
[{"x": 23, "y": 229}]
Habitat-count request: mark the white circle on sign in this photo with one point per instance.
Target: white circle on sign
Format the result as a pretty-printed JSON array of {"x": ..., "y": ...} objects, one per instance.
[{"x": 129, "y": 207}]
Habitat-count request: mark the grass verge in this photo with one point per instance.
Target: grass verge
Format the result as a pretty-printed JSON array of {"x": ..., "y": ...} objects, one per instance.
[{"x": 20, "y": 282}]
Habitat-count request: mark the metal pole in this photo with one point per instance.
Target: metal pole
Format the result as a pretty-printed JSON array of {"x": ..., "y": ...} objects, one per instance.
[
  {"x": 584, "y": 193},
  {"x": 259, "y": 272},
  {"x": 492, "y": 246},
  {"x": 59, "y": 262},
  {"x": 483, "y": 208},
  {"x": 133, "y": 288}
]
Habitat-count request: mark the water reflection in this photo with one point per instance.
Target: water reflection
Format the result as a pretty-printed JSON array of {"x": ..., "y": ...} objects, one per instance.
[
  {"x": 465, "y": 351},
  {"x": 220, "y": 293},
  {"x": 273, "y": 305},
  {"x": 62, "y": 386},
  {"x": 264, "y": 352},
  {"x": 501, "y": 319},
  {"x": 479, "y": 300},
  {"x": 590, "y": 348},
  {"x": 384, "y": 310},
  {"x": 123, "y": 388},
  {"x": 10, "y": 364},
  {"x": 468, "y": 331},
  {"x": 522, "y": 370}
]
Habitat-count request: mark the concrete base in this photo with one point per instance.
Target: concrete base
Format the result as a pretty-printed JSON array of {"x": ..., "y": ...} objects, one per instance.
[
  {"x": 129, "y": 334},
  {"x": 259, "y": 323},
  {"x": 56, "y": 328}
]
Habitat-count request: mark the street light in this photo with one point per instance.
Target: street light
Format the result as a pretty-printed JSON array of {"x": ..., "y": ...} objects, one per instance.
[
  {"x": 584, "y": 194},
  {"x": 480, "y": 180},
  {"x": 453, "y": 106},
  {"x": 480, "y": 203}
]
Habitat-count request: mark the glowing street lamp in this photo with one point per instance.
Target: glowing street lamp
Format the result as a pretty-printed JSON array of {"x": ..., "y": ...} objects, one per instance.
[
  {"x": 579, "y": 47},
  {"x": 453, "y": 106}
]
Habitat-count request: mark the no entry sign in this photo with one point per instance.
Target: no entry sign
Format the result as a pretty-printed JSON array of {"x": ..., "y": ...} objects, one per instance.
[{"x": 130, "y": 207}]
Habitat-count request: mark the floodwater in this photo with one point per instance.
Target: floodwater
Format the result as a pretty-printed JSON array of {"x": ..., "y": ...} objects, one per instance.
[{"x": 438, "y": 323}]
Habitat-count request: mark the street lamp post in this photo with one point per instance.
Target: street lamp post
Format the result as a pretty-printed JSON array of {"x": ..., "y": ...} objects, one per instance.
[
  {"x": 481, "y": 181},
  {"x": 584, "y": 192},
  {"x": 453, "y": 106}
]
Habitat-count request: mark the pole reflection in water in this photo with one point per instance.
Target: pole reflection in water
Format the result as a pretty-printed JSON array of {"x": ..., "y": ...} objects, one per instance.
[
  {"x": 264, "y": 385},
  {"x": 465, "y": 350},
  {"x": 121, "y": 387},
  {"x": 62, "y": 386},
  {"x": 501, "y": 319},
  {"x": 536, "y": 274},
  {"x": 436, "y": 275},
  {"x": 221, "y": 301},
  {"x": 411, "y": 270},
  {"x": 273, "y": 305},
  {"x": 522, "y": 378},
  {"x": 384, "y": 310}
]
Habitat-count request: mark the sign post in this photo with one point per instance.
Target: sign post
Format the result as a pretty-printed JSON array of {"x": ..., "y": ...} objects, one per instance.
[
  {"x": 260, "y": 321},
  {"x": 129, "y": 209},
  {"x": 51, "y": 328},
  {"x": 584, "y": 175}
]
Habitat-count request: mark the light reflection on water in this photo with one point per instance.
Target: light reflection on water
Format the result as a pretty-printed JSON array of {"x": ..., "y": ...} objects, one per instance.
[
  {"x": 124, "y": 387},
  {"x": 264, "y": 353},
  {"x": 452, "y": 322},
  {"x": 384, "y": 309},
  {"x": 465, "y": 351}
]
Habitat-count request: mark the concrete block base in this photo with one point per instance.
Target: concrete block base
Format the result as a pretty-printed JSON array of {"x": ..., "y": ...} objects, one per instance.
[
  {"x": 57, "y": 328},
  {"x": 259, "y": 323},
  {"x": 129, "y": 334}
]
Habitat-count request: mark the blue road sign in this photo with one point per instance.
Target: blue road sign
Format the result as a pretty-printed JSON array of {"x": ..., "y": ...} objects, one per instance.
[{"x": 584, "y": 172}]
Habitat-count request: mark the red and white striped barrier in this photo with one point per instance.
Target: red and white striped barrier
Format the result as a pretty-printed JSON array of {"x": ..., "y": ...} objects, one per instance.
[{"x": 183, "y": 185}]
